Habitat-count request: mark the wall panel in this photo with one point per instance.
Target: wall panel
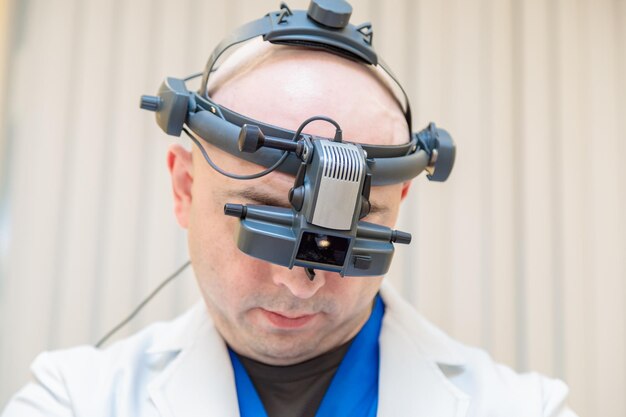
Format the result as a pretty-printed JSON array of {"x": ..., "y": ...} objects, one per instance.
[
  {"x": 605, "y": 213},
  {"x": 428, "y": 206},
  {"x": 131, "y": 139},
  {"x": 500, "y": 158},
  {"x": 574, "y": 185},
  {"x": 536, "y": 186}
]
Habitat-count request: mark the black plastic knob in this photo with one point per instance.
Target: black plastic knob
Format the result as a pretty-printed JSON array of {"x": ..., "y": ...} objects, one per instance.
[
  {"x": 235, "y": 210},
  {"x": 398, "y": 236},
  {"x": 151, "y": 103},
  {"x": 366, "y": 207},
  {"x": 296, "y": 197},
  {"x": 251, "y": 138},
  {"x": 332, "y": 13},
  {"x": 362, "y": 261}
]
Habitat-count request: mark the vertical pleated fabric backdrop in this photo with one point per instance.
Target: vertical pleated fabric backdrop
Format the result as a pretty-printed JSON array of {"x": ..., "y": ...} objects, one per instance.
[{"x": 520, "y": 252}]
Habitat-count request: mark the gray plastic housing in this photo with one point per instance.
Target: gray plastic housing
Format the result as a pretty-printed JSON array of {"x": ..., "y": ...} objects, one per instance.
[
  {"x": 289, "y": 237},
  {"x": 172, "y": 111},
  {"x": 274, "y": 234}
]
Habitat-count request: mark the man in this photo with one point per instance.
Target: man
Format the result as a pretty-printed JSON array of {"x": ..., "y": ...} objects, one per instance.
[{"x": 267, "y": 340}]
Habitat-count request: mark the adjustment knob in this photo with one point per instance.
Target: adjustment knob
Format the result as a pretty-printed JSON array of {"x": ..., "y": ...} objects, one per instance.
[
  {"x": 235, "y": 210},
  {"x": 366, "y": 207},
  {"x": 296, "y": 197},
  {"x": 398, "y": 236},
  {"x": 362, "y": 261},
  {"x": 151, "y": 103},
  {"x": 446, "y": 153},
  {"x": 250, "y": 138},
  {"x": 440, "y": 145},
  {"x": 332, "y": 13}
]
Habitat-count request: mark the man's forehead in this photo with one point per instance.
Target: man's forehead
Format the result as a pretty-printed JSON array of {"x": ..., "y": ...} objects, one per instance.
[
  {"x": 256, "y": 53},
  {"x": 283, "y": 86}
]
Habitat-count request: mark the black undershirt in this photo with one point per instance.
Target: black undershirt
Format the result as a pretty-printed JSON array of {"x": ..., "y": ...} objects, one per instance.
[{"x": 294, "y": 390}]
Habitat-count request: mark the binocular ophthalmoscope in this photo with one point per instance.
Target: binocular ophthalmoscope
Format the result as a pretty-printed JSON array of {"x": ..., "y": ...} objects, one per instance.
[{"x": 330, "y": 196}]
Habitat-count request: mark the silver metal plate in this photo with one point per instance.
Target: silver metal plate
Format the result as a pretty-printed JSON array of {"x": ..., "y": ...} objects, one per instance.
[{"x": 343, "y": 168}]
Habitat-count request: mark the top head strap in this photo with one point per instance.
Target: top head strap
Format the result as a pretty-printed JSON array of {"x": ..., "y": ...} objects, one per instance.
[{"x": 324, "y": 26}]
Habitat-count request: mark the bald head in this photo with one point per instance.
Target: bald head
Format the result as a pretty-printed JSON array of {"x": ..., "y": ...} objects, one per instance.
[{"x": 284, "y": 85}]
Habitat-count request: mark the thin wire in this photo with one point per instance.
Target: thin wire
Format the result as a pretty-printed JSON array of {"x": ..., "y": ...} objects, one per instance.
[
  {"x": 142, "y": 304},
  {"x": 229, "y": 174},
  {"x": 314, "y": 118},
  {"x": 192, "y": 76}
]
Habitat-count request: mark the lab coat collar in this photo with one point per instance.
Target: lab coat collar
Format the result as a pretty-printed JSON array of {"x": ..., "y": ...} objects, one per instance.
[
  {"x": 428, "y": 339},
  {"x": 200, "y": 381},
  {"x": 183, "y": 332},
  {"x": 411, "y": 382}
]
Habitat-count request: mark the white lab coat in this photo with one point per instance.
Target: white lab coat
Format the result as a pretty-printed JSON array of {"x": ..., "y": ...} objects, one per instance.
[{"x": 181, "y": 368}]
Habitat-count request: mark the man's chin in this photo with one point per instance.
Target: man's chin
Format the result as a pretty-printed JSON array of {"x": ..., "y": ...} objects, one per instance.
[{"x": 284, "y": 350}]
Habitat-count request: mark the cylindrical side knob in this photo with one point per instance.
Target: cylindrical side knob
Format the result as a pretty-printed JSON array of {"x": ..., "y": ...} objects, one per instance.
[
  {"x": 235, "y": 210},
  {"x": 251, "y": 138},
  {"x": 398, "y": 236},
  {"x": 151, "y": 103}
]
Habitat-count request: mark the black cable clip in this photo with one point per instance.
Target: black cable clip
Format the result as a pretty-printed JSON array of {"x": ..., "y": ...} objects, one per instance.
[{"x": 285, "y": 12}]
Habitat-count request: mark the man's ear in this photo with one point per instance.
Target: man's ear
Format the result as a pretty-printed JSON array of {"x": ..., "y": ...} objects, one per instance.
[
  {"x": 180, "y": 165},
  {"x": 405, "y": 189}
]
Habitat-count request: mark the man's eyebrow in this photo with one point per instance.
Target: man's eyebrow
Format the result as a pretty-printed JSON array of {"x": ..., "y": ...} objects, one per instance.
[
  {"x": 258, "y": 197},
  {"x": 265, "y": 199}
]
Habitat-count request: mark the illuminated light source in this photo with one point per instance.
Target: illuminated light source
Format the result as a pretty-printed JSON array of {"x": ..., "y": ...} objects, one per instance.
[{"x": 322, "y": 242}]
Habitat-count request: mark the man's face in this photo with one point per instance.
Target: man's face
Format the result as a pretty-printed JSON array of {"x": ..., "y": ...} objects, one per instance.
[{"x": 265, "y": 311}]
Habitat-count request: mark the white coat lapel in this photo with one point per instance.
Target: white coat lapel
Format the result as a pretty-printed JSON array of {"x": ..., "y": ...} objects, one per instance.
[
  {"x": 411, "y": 383},
  {"x": 200, "y": 381}
]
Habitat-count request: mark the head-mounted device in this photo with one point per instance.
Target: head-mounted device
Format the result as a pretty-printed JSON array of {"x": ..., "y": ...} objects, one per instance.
[{"x": 323, "y": 228}]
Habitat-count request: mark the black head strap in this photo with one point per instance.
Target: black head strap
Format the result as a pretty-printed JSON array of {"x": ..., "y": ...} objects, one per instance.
[{"x": 298, "y": 28}]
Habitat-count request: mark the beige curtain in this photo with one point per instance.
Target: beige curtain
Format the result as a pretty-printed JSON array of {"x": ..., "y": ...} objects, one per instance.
[{"x": 521, "y": 252}]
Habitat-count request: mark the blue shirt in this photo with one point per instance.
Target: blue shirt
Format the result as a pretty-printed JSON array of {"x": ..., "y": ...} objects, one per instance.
[{"x": 353, "y": 390}]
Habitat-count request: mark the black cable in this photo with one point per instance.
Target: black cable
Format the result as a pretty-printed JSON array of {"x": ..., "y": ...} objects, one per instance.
[
  {"x": 231, "y": 175},
  {"x": 192, "y": 76},
  {"x": 338, "y": 131},
  {"x": 142, "y": 304}
]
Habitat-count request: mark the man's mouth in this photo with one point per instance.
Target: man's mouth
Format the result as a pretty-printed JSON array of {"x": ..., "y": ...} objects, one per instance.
[{"x": 287, "y": 320}]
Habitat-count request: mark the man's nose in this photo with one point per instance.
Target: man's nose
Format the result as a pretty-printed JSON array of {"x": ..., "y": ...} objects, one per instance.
[{"x": 297, "y": 281}]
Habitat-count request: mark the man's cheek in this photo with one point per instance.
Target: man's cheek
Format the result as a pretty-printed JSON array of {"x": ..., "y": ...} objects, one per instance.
[{"x": 377, "y": 218}]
